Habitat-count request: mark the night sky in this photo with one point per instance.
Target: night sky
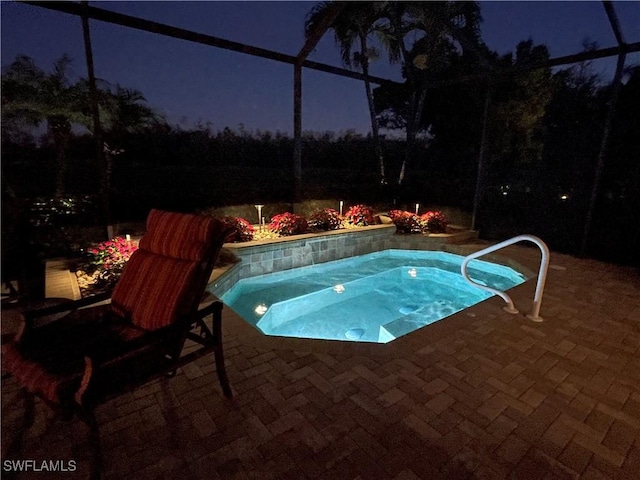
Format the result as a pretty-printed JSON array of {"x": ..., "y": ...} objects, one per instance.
[{"x": 192, "y": 83}]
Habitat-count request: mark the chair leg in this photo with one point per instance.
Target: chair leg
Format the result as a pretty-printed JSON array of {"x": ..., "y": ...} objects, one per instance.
[
  {"x": 89, "y": 418},
  {"x": 94, "y": 440},
  {"x": 15, "y": 447},
  {"x": 222, "y": 371},
  {"x": 29, "y": 408},
  {"x": 216, "y": 326}
]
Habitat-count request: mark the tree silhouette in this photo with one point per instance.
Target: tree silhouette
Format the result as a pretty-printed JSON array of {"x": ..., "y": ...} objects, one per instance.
[
  {"x": 355, "y": 23},
  {"x": 32, "y": 96},
  {"x": 423, "y": 36}
]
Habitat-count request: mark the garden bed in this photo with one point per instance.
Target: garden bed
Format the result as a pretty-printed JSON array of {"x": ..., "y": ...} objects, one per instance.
[
  {"x": 289, "y": 241},
  {"x": 246, "y": 259}
]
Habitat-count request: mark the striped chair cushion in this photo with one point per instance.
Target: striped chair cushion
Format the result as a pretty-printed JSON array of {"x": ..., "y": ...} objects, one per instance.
[
  {"x": 177, "y": 235},
  {"x": 32, "y": 375},
  {"x": 165, "y": 277},
  {"x": 161, "y": 290}
]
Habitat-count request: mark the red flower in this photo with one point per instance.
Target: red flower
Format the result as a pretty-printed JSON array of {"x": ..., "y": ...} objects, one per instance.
[
  {"x": 434, "y": 222},
  {"x": 242, "y": 230},
  {"x": 110, "y": 257},
  {"x": 360, "y": 215},
  {"x": 288, "y": 224},
  {"x": 405, "y": 222},
  {"x": 325, "y": 219}
]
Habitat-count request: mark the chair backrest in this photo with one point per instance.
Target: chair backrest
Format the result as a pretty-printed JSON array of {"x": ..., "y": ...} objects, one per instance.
[{"x": 165, "y": 278}]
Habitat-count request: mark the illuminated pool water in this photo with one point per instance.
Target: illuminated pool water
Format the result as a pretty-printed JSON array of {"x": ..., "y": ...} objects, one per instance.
[{"x": 376, "y": 297}]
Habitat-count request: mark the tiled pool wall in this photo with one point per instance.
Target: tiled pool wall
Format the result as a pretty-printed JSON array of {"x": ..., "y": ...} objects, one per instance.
[{"x": 257, "y": 258}]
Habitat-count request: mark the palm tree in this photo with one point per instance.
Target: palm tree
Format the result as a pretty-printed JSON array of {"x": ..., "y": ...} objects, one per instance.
[
  {"x": 436, "y": 29},
  {"x": 353, "y": 26},
  {"x": 32, "y": 96},
  {"x": 123, "y": 111}
]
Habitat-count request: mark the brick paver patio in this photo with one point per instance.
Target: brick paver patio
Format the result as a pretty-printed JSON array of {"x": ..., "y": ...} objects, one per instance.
[{"x": 481, "y": 394}]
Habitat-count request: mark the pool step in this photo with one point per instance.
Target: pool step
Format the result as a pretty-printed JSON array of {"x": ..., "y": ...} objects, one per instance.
[
  {"x": 358, "y": 296},
  {"x": 283, "y": 312},
  {"x": 350, "y": 319},
  {"x": 385, "y": 281},
  {"x": 422, "y": 316}
]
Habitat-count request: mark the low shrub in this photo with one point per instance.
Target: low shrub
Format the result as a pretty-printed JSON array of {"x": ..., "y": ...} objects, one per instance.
[
  {"x": 434, "y": 222},
  {"x": 360, "y": 215},
  {"x": 243, "y": 231},
  {"x": 325, "y": 219},
  {"x": 406, "y": 222},
  {"x": 107, "y": 260},
  {"x": 288, "y": 223}
]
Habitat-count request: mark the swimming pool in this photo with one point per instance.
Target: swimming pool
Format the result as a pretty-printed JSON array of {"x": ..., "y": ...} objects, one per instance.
[{"x": 376, "y": 297}]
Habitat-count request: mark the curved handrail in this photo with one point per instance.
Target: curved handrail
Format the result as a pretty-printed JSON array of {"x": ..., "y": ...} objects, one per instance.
[{"x": 542, "y": 274}]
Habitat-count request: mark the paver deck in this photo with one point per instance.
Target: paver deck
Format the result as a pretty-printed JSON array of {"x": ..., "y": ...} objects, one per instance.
[{"x": 481, "y": 394}]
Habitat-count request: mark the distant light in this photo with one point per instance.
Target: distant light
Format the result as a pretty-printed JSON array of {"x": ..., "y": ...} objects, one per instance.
[
  {"x": 564, "y": 197},
  {"x": 338, "y": 288},
  {"x": 505, "y": 194},
  {"x": 413, "y": 273},
  {"x": 261, "y": 309}
]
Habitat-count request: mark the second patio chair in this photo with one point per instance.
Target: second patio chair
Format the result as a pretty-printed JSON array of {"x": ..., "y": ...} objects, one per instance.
[{"x": 94, "y": 354}]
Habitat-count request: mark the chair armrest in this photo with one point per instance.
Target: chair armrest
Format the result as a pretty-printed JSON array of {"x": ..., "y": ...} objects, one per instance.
[
  {"x": 157, "y": 338},
  {"x": 189, "y": 321},
  {"x": 54, "y": 313},
  {"x": 70, "y": 306},
  {"x": 214, "y": 307},
  {"x": 160, "y": 344},
  {"x": 151, "y": 341},
  {"x": 102, "y": 369}
]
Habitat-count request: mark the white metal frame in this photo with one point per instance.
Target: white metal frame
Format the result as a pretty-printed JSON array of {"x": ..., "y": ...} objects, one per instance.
[{"x": 542, "y": 274}]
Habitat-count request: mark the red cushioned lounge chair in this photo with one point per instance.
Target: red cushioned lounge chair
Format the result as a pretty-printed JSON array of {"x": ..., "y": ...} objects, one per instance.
[{"x": 93, "y": 354}]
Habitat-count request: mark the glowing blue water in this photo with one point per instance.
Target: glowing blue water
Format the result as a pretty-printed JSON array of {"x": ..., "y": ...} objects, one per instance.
[{"x": 371, "y": 298}]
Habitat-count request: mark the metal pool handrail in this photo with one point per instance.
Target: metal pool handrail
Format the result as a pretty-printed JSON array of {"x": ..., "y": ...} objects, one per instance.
[{"x": 542, "y": 274}]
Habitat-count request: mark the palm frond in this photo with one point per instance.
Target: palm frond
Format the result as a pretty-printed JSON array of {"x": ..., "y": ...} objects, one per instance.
[{"x": 315, "y": 16}]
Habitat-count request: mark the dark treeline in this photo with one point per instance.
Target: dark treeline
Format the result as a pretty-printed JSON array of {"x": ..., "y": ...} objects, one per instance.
[
  {"x": 542, "y": 137},
  {"x": 543, "y": 134},
  {"x": 208, "y": 168}
]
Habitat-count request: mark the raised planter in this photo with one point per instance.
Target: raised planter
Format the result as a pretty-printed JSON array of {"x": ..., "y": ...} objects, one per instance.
[
  {"x": 248, "y": 259},
  {"x": 266, "y": 256}
]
